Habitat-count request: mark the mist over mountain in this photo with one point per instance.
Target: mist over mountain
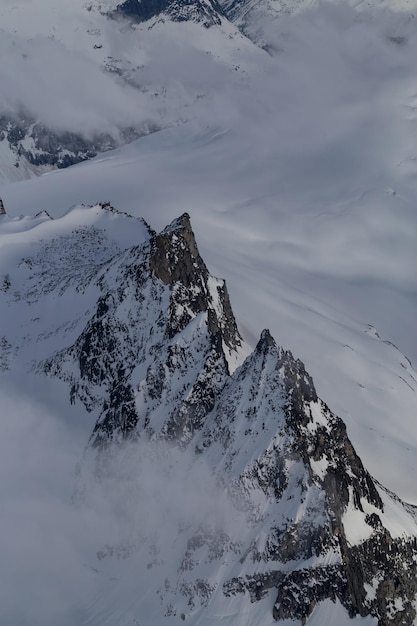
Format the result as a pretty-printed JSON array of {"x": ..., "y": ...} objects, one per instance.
[{"x": 93, "y": 77}]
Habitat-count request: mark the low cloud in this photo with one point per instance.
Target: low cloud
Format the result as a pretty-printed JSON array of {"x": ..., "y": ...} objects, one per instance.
[
  {"x": 64, "y": 89},
  {"x": 53, "y": 540},
  {"x": 328, "y": 72}
]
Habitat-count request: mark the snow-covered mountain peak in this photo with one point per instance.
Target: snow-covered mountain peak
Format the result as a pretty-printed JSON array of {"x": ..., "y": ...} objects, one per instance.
[
  {"x": 142, "y": 340},
  {"x": 179, "y": 223},
  {"x": 160, "y": 324},
  {"x": 176, "y": 261},
  {"x": 206, "y": 12},
  {"x": 266, "y": 341},
  {"x": 175, "y": 253}
]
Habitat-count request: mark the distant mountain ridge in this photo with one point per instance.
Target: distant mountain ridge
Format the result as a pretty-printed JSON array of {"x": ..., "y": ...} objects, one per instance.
[
  {"x": 206, "y": 12},
  {"x": 102, "y": 34},
  {"x": 33, "y": 142}
]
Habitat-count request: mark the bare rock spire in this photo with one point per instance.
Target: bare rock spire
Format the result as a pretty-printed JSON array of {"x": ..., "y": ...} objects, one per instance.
[{"x": 2, "y": 209}]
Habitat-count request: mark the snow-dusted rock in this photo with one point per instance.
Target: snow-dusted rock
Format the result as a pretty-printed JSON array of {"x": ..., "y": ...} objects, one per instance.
[
  {"x": 156, "y": 362},
  {"x": 144, "y": 339}
]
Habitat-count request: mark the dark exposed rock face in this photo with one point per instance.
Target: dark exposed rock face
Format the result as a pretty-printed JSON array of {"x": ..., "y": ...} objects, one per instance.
[
  {"x": 206, "y": 12},
  {"x": 280, "y": 382},
  {"x": 159, "y": 290},
  {"x": 175, "y": 260},
  {"x": 153, "y": 362},
  {"x": 41, "y": 146}
]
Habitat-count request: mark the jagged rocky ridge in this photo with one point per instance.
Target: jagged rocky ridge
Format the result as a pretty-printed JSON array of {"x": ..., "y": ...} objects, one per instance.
[
  {"x": 206, "y": 12},
  {"x": 154, "y": 360},
  {"x": 38, "y": 147},
  {"x": 152, "y": 294},
  {"x": 154, "y": 355}
]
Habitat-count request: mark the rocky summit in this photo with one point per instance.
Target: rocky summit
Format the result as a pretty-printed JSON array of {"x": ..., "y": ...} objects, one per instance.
[{"x": 206, "y": 12}]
